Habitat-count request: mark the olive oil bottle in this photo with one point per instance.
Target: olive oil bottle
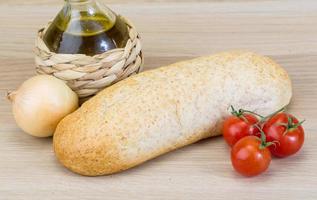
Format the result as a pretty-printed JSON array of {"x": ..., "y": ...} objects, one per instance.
[{"x": 85, "y": 27}]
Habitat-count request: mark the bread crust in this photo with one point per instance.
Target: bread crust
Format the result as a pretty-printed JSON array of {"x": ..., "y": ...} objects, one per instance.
[{"x": 160, "y": 110}]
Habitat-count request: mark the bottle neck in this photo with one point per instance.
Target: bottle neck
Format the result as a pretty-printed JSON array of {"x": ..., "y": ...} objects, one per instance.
[
  {"x": 79, "y": 2},
  {"x": 86, "y": 10}
]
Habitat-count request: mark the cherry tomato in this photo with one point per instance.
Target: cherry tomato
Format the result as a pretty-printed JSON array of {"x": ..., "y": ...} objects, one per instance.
[
  {"x": 249, "y": 157},
  {"x": 236, "y": 127},
  {"x": 287, "y": 133}
]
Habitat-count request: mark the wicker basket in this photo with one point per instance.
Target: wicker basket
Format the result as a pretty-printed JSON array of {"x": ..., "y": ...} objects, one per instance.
[{"x": 87, "y": 75}]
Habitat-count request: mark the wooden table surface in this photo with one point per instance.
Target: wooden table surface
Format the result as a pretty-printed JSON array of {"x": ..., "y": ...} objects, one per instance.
[{"x": 172, "y": 31}]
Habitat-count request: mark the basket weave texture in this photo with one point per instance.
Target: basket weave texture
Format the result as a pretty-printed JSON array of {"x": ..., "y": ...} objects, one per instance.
[{"x": 87, "y": 75}]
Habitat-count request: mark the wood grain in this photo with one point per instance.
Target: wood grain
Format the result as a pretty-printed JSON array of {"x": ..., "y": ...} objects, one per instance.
[{"x": 172, "y": 31}]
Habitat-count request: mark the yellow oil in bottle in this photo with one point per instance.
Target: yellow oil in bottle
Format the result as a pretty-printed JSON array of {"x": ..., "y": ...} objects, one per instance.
[{"x": 86, "y": 34}]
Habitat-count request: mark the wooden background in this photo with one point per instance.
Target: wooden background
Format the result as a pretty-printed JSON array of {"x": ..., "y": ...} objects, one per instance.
[{"x": 172, "y": 31}]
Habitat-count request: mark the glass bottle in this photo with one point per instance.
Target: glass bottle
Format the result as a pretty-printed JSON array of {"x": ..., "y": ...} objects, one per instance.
[{"x": 85, "y": 27}]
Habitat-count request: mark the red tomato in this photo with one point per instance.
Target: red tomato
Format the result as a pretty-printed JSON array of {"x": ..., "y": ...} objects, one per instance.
[
  {"x": 287, "y": 133},
  {"x": 237, "y": 127},
  {"x": 249, "y": 158}
]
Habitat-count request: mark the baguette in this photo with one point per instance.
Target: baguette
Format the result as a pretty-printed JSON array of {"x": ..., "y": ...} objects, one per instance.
[{"x": 160, "y": 110}]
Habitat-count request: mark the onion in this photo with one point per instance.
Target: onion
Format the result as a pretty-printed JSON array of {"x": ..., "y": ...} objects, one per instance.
[{"x": 41, "y": 103}]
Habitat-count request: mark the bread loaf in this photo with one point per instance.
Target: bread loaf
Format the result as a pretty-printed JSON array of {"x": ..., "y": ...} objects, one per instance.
[{"x": 160, "y": 110}]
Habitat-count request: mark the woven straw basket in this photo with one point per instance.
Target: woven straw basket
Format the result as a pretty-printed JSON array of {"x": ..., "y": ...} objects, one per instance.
[{"x": 87, "y": 75}]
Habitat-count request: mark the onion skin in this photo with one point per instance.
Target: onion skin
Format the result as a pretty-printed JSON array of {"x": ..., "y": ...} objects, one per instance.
[{"x": 41, "y": 103}]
